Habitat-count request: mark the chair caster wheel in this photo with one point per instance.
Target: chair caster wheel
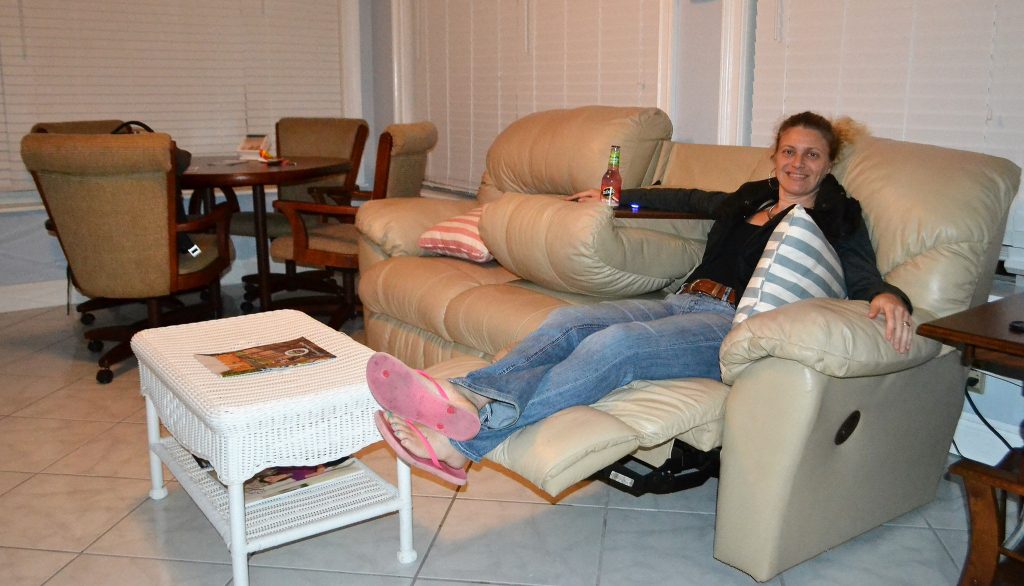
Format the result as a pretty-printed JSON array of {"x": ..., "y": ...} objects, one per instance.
[
  {"x": 95, "y": 346},
  {"x": 87, "y": 318},
  {"x": 247, "y": 307},
  {"x": 104, "y": 376}
]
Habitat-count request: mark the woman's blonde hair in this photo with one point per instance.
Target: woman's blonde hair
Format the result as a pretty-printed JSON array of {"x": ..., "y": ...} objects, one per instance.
[{"x": 837, "y": 134}]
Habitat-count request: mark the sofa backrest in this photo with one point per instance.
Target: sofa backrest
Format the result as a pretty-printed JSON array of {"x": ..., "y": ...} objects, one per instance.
[
  {"x": 936, "y": 215},
  {"x": 566, "y": 151}
]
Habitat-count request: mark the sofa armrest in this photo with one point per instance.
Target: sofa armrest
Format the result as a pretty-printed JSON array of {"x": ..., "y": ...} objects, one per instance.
[
  {"x": 393, "y": 226},
  {"x": 831, "y": 336},
  {"x": 580, "y": 248}
]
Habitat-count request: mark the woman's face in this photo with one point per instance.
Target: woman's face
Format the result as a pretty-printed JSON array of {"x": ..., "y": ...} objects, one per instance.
[{"x": 801, "y": 162}]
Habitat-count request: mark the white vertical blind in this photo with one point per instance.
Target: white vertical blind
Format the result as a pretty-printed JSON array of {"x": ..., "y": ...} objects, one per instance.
[
  {"x": 481, "y": 65},
  {"x": 205, "y": 72},
  {"x": 944, "y": 72}
]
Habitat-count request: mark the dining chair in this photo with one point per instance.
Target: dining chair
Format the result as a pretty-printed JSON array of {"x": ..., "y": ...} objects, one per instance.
[
  {"x": 112, "y": 200},
  {"x": 308, "y": 137},
  {"x": 86, "y": 308},
  {"x": 399, "y": 171}
]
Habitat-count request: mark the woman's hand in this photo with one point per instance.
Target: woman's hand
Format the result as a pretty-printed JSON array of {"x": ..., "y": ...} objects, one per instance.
[
  {"x": 899, "y": 327},
  {"x": 585, "y": 196}
]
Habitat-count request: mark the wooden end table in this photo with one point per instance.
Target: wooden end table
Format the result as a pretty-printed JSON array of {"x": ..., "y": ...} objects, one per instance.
[{"x": 984, "y": 337}]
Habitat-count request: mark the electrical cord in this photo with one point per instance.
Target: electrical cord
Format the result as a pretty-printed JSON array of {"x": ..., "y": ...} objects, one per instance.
[{"x": 967, "y": 394}]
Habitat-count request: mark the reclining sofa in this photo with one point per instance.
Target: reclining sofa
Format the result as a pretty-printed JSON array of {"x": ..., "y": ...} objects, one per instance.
[{"x": 825, "y": 431}]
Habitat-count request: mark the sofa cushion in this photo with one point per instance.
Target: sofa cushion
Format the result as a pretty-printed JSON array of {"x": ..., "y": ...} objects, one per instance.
[
  {"x": 458, "y": 237},
  {"x": 566, "y": 151},
  {"x": 578, "y": 248},
  {"x": 797, "y": 263}
]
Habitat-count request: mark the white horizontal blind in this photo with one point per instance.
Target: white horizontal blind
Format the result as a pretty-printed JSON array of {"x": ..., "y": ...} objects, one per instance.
[
  {"x": 295, "y": 67},
  {"x": 944, "y": 72},
  {"x": 481, "y": 65},
  {"x": 205, "y": 72}
]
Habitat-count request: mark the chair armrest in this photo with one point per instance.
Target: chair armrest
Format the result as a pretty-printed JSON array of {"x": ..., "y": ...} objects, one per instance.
[
  {"x": 219, "y": 220},
  {"x": 831, "y": 336},
  {"x": 393, "y": 226},
  {"x": 297, "y": 208},
  {"x": 218, "y": 217},
  {"x": 341, "y": 195},
  {"x": 294, "y": 210}
]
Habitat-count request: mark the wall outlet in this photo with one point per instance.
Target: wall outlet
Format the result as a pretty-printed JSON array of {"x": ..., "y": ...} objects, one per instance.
[{"x": 976, "y": 387}]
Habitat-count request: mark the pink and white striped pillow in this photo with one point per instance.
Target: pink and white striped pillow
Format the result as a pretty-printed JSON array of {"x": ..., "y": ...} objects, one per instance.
[{"x": 458, "y": 237}]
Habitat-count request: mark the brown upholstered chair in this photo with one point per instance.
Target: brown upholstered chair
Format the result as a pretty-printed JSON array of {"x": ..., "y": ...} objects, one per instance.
[
  {"x": 400, "y": 167},
  {"x": 88, "y": 306},
  {"x": 112, "y": 199},
  {"x": 308, "y": 137}
]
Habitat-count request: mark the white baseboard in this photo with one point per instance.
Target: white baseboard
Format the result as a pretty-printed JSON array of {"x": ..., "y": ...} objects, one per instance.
[{"x": 977, "y": 441}]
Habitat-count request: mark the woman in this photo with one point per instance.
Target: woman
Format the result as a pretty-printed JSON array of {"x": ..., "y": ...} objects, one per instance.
[{"x": 581, "y": 353}]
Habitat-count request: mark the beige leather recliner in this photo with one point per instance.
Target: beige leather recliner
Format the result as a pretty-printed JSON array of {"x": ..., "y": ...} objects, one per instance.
[{"x": 791, "y": 486}]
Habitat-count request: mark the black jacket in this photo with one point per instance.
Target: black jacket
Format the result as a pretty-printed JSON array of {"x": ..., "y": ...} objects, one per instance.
[{"x": 837, "y": 214}]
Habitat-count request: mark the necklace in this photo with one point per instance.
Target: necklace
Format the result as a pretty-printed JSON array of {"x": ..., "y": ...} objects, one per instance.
[{"x": 769, "y": 213}]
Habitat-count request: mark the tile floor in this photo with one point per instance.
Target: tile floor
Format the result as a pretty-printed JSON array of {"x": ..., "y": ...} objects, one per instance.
[{"x": 74, "y": 508}]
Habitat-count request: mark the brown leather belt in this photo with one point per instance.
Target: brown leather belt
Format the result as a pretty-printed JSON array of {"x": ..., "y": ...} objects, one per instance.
[{"x": 711, "y": 289}]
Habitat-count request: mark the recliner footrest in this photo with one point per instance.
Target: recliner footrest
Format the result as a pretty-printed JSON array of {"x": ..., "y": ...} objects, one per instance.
[{"x": 687, "y": 467}]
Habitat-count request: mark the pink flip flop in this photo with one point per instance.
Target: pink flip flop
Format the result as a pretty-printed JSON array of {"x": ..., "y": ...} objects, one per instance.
[
  {"x": 433, "y": 465},
  {"x": 415, "y": 396}
]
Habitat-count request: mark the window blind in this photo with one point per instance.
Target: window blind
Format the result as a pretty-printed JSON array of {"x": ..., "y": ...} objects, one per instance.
[
  {"x": 944, "y": 72},
  {"x": 205, "y": 72},
  {"x": 479, "y": 66}
]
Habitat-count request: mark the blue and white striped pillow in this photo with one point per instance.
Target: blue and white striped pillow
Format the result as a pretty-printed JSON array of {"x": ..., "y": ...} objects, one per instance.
[{"x": 798, "y": 263}]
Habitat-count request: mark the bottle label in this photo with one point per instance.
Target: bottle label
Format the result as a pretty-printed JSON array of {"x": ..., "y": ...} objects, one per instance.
[{"x": 611, "y": 197}]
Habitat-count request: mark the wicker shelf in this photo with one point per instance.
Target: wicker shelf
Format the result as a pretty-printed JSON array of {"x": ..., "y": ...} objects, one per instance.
[{"x": 348, "y": 499}]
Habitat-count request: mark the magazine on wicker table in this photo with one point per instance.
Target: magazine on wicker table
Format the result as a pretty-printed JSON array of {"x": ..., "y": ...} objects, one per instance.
[
  {"x": 265, "y": 357},
  {"x": 280, "y": 480}
]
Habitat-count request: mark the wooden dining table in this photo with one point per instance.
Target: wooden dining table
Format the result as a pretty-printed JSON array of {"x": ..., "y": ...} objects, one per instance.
[{"x": 211, "y": 172}]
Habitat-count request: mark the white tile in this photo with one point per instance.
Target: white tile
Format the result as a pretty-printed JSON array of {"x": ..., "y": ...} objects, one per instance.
[
  {"x": 956, "y": 543},
  {"x": 20, "y": 391},
  {"x": 886, "y": 555},
  {"x": 65, "y": 513},
  {"x": 368, "y": 547},
  {"x": 520, "y": 543},
  {"x": 10, "y": 318},
  {"x": 67, "y": 359},
  {"x": 651, "y": 547},
  {"x": 9, "y": 480},
  {"x": 29, "y": 567},
  {"x": 120, "y": 452},
  {"x": 170, "y": 528},
  {"x": 30, "y": 445},
  {"x": 280, "y": 577},
  {"x": 381, "y": 460},
  {"x": 116, "y": 571},
  {"x": 87, "y": 400}
]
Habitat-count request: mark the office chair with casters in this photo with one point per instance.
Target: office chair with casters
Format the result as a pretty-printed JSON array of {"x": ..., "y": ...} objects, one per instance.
[
  {"x": 112, "y": 202},
  {"x": 304, "y": 137},
  {"x": 400, "y": 167},
  {"x": 88, "y": 306}
]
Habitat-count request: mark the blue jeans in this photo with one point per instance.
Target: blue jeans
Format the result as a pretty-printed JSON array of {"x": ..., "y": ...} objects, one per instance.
[{"x": 583, "y": 352}]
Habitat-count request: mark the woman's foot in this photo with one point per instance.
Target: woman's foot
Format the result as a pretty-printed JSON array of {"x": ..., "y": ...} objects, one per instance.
[
  {"x": 415, "y": 396},
  {"x": 413, "y": 442}
]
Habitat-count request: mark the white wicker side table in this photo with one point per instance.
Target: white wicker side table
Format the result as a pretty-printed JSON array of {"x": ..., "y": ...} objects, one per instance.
[{"x": 297, "y": 416}]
